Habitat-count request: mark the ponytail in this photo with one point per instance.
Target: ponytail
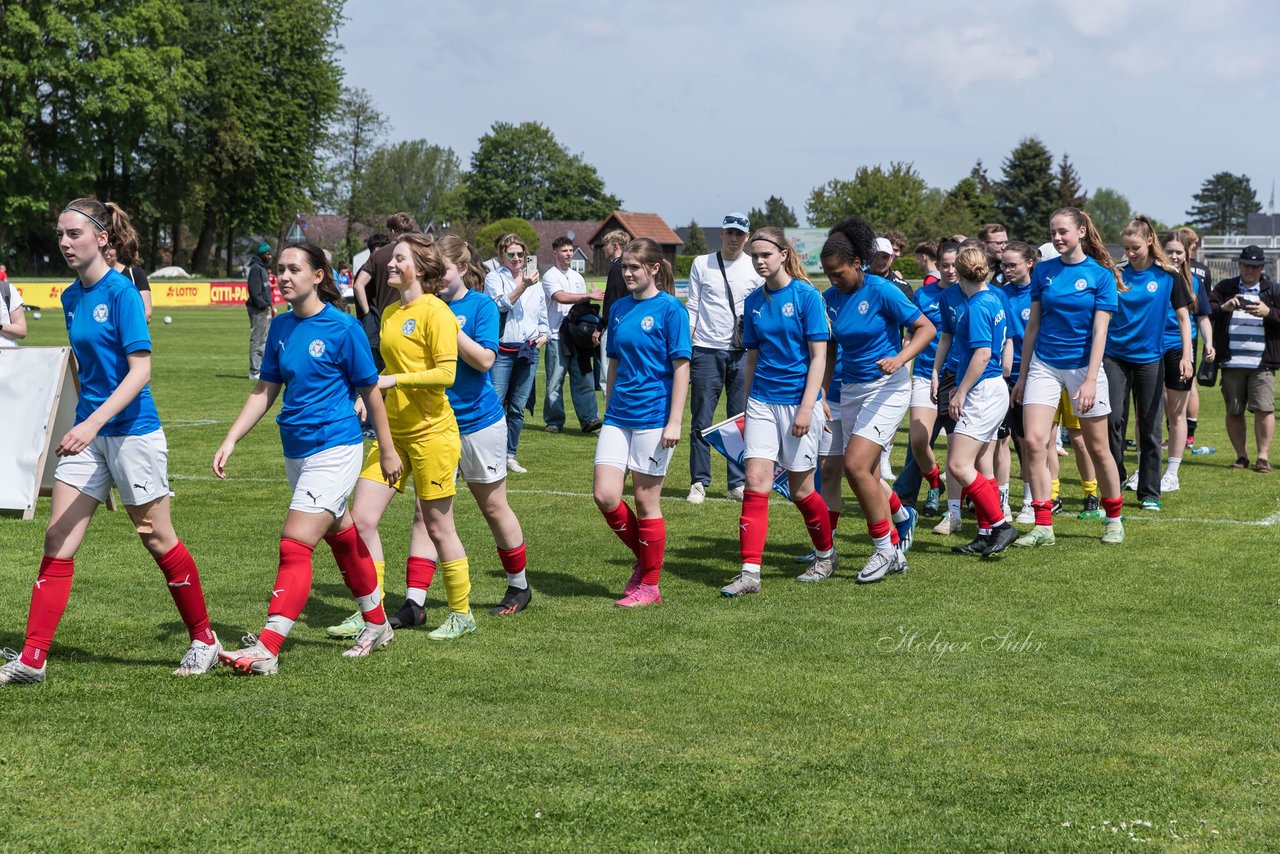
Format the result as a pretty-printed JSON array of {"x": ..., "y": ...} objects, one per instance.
[
  {"x": 316, "y": 259},
  {"x": 463, "y": 256},
  {"x": 123, "y": 236},
  {"x": 648, "y": 253}
]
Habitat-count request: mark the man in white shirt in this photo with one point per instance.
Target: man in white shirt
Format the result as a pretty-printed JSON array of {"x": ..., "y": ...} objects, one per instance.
[
  {"x": 564, "y": 288},
  {"x": 718, "y": 283},
  {"x": 13, "y": 319}
]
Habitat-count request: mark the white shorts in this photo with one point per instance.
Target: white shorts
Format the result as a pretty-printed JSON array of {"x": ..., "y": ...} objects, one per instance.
[
  {"x": 873, "y": 410},
  {"x": 484, "y": 454},
  {"x": 638, "y": 450},
  {"x": 832, "y": 441},
  {"x": 1044, "y": 387},
  {"x": 984, "y": 409},
  {"x": 137, "y": 465},
  {"x": 768, "y": 435},
  {"x": 324, "y": 480},
  {"x": 921, "y": 393}
]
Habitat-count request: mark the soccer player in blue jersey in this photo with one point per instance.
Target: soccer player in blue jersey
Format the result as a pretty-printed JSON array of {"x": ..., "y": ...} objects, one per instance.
[
  {"x": 867, "y": 314},
  {"x": 981, "y": 398},
  {"x": 1177, "y": 391},
  {"x": 1072, "y": 299},
  {"x": 648, "y": 382},
  {"x": 1016, "y": 263},
  {"x": 319, "y": 356},
  {"x": 117, "y": 438},
  {"x": 1134, "y": 361},
  {"x": 785, "y": 331}
]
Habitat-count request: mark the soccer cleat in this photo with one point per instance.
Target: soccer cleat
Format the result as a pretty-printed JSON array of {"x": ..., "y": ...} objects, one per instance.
[
  {"x": 821, "y": 568},
  {"x": 1027, "y": 515},
  {"x": 1113, "y": 532},
  {"x": 931, "y": 501},
  {"x": 907, "y": 528},
  {"x": 948, "y": 526},
  {"x": 514, "y": 467},
  {"x": 634, "y": 581},
  {"x": 1040, "y": 535},
  {"x": 1092, "y": 508},
  {"x": 1131, "y": 484},
  {"x": 454, "y": 626},
  {"x": 253, "y": 659},
  {"x": 697, "y": 493},
  {"x": 348, "y": 628},
  {"x": 515, "y": 600},
  {"x": 736, "y": 494},
  {"x": 642, "y": 595},
  {"x": 200, "y": 658},
  {"x": 1152, "y": 504},
  {"x": 1169, "y": 483},
  {"x": 881, "y": 564},
  {"x": 373, "y": 637},
  {"x": 16, "y": 672},
  {"x": 1057, "y": 506},
  {"x": 808, "y": 557},
  {"x": 410, "y": 615},
  {"x": 742, "y": 584},
  {"x": 1001, "y": 538},
  {"x": 978, "y": 545}
]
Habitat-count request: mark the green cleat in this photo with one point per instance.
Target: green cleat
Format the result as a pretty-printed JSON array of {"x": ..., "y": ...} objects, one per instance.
[
  {"x": 1040, "y": 535},
  {"x": 1113, "y": 532},
  {"x": 454, "y": 626},
  {"x": 1092, "y": 508},
  {"x": 348, "y": 628}
]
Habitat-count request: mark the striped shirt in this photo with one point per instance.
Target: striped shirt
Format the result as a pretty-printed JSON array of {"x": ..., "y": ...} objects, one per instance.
[{"x": 1245, "y": 337}]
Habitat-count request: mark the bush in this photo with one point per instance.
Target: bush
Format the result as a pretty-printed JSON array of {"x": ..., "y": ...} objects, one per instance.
[
  {"x": 511, "y": 225},
  {"x": 907, "y": 266},
  {"x": 683, "y": 264}
]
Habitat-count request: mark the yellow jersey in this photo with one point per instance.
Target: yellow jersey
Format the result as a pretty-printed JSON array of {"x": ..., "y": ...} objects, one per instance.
[{"x": 420, "y": 347}]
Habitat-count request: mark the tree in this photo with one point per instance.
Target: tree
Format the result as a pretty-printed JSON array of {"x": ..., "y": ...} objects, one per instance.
[
  {"x": 522, "y": 171},
  {"x": 887, "y": 199},
  {"x": 979, "y": 174},
  {"x": 412, "y": 176},
  {"x": 961, "y": 210},
  {"x": 509, "y": 225},
  {"x": 1223, "y": 204},
  {"x": 1027, "y": 193},
  {"x": 776, "y": 213},
  {"x": 353, "y": 144},
  {"x": 1110, "y": 213},
  {"x": 697, "y": 242},
  {"x": 1070, "y": 192}
]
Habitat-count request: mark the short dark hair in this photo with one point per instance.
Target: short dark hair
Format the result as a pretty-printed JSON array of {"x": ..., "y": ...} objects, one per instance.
[
  {"x": 401, "y": 223},
  {"x": 560, "y": 242},
  {"x": 990, "y": 229},
  {"x": 376, "y": 242}
]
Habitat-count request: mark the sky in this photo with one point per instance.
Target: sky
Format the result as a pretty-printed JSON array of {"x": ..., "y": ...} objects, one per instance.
[{"x": 694, "y": 109}]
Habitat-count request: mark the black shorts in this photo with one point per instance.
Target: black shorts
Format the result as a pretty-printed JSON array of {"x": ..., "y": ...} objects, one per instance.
[
  {"x": 1012, "y": 424},
  {"x": 946, "y": 385},
  {"x": 1171, "y": 380}
]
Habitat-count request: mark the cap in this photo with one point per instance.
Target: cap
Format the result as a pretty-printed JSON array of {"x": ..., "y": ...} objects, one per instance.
[
  {"x": 737, "y": 222},
  {"x": 263, "y": 248},
  {"x": 883, "y": 245},
  {"x": 1253, "y": 256}
]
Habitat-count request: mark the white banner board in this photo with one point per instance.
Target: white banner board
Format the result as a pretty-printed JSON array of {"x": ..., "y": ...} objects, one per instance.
[{"x": 37, "y": 385}]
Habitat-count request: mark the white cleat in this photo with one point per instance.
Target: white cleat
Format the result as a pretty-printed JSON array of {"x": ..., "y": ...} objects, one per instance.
[
  {"x": 1169, "y": 483},
  {"x": 15, "y": 672},
  {"x": 200, "y": 658},
  {"x": 372, "y": 637}
]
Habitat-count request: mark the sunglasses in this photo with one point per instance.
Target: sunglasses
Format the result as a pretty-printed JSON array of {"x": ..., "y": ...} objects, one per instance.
[
  {"x": 515, "y": 254},
  {"x": 735, "y": 220}
]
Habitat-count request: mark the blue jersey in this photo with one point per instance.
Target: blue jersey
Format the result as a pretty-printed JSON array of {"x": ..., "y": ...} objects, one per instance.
[
  {"x": 321, "y": 360},
  {"x": 1069, "y": 294},
  {"x": 985, "y": 324},
  {"x": 868, "y": 323},
  {"x": 106, "y": 323},
  {"x": 1172, "y": 335},
  {"x": 929, "y": 300},
  {"x": 646, "y": 337},
  {"x": 1018, "y": 298},
  {"x": 833, "y": 391},
  {"x": 780, "y": 324},
  {"x": 1136, "y": 333},
  {"x": 953, "y": 307},
  {"x": 475, "y": 402}
]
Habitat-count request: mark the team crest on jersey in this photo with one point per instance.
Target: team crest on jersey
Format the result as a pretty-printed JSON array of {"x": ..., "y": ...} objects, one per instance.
[
  {"x": 100, "y": 312},
  {"x": 864, "y": 307},
  {"x": 1152, "y": 287},
  {"x": 1081, "y": 284},
  {"x": 647, "y": 323},
  {"x": 788, "y": 310},
  {"x": 409, "y": 326},
  {"x": 316, "y": 349},
  {"x": 1026, "y": 314},
  {"x": 462, "y": 321}
]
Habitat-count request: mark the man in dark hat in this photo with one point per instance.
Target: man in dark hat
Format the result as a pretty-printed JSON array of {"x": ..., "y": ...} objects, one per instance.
[{"x": 258, "y": 302}]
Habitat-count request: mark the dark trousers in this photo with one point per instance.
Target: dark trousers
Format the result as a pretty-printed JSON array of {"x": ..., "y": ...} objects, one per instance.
[
  {"x": 710, "y": 372},
  {"x": 1145, "y": 384},
  {"x": 907, "y": 484}
]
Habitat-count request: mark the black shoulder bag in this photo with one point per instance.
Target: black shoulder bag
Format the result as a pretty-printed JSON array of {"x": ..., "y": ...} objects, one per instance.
[{"x": 735, "y": 340}]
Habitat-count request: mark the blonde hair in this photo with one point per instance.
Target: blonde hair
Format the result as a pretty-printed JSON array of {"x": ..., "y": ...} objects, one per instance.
[
  {"x": 616, "y": 237},
  {"x": 791, "y": 264},
  {"x": 972, "y": 264},
  {"x": 459, "y": 252},
  {"x": 1092, "y": 242},
  {"x": 427, "y": 263}
]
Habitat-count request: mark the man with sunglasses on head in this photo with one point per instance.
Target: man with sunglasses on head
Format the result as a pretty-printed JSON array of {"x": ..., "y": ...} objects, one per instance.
[{"x": 718, "y": 284}]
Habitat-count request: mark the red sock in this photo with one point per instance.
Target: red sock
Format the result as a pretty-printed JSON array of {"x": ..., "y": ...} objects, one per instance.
[
  {"x": 1044, "y": 513},
  {"x": 753, "y": 526},
  {"x": 881, "y": 529},
  {"x": 356, "y": 566},
  {"x": 622, "y": 520},
  {"x": 814, "y": 511},
  {"x": 934, "y": 476},
  {"x": 994, "y": 486},
  {"x": 419, "y": 572},
  {"x": 652, "y": 538},
  {"x": 894, "y": 538},
  {"x": 513, "y": 560},
  {"x": 180, "y": 572},
  {"x": 1112, "y": 506},
  {"x": 48, "y": 600},
  {"x": 834, "y": 517},
  {"x": 986, "y": 504},
  {"x": 895, "y": 503},
  {"x": 290, "y": 592}
]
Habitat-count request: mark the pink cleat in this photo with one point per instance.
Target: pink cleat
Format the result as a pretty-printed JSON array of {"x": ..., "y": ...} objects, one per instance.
[
  {"x": 643, "y": 594},
  {"x": 634, "y": 581}
]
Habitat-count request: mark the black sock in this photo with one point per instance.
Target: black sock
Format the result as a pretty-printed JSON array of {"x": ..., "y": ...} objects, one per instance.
[{"x": 1191, "y": 427}]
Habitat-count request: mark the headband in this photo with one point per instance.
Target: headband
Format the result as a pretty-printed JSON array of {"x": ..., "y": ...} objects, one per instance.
[
  {"x": 87, "y": 216},
  {"x": 770, "y": 240}
]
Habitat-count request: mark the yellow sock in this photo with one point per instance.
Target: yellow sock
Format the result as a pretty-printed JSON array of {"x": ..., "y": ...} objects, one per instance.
[
  {"x": 1053, "y": 492},
  {"x": 457, "y": 584},
  {"x": 380, "y": 567},
  {"x": 1090, "y": 487}
]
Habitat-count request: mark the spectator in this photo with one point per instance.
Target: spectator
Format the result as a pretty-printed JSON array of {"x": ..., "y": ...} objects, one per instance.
[
  {"x": 13, "y": 320},
  {"x": 371, "y": 303},
  {"x": 1246, "y": 336},
  {"x": 615, "y": 288},
  {"x": 564, "y": 288},
  {"x": 258, "y": 303}
]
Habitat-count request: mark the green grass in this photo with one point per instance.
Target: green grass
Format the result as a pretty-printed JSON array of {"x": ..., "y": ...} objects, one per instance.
[{"x": 1138, "y": 682}]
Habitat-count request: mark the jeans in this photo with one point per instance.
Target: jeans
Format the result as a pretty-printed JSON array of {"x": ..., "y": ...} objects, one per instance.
[
  {"x": 259, "y": 322},
  {"x": 582, "y": 388},
  {"x": 907, "y": 484},
  {"x": 710, "y": 372},
  {"x": 513, "y": 380},
  {"x": 1145, "y": 383}
]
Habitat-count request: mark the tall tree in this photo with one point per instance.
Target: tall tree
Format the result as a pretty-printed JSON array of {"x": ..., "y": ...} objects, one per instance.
[
  {"x": 886, "y": 198},
  {"x": 776, "y": 212},
  {"x": 1223, "y": 204},
  {"x": 354, "y": 141},
  {"x": 696, "y": 244},
  {"x": 1110, "y": 213},
  {"x": 979, "y": 174},
  {"x": 1027, "y": 192},
  {"x": 522, "y": 171},
  {"x": 1071, "y": 193},
  {"x": 412, "y": 176}
]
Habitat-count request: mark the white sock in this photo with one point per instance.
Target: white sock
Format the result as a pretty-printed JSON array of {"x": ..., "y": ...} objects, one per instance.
[
  {"x": 1026, "y": 493},
  {"x": 824, "y": 553},
  {"x": 751, "y": 569},
  {"x": 883, "y": 544},
  {"x": 417, "y": 595},
  {"x": 1004, "y": 495},
  {"x": 517, "y": 580},
  {"x": 368, "y": 603},
  {"x": 902, "y": 515},
  {"x": 953, "y": 507},
  {"x": 279, "y": 625},
  {"x": 1173, "y": 466}
]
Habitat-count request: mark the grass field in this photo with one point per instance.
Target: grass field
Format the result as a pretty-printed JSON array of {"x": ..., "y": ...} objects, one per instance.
[{"x": 1078, "y": 697}]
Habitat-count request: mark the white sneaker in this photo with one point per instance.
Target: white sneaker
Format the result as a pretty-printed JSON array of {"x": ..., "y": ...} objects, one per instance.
[
  {"x": 515, "y": 467},
  {"x": 1169, "y": 483},
  {"x": 254, "y": 659},
  {"x": 1132, "y": 483},
  {"x": 882, "y": 564},
  {"x": 14, "y": 672},
  {"x": 737, "y": 493},
  {"x": 372, "y": 637},
  {"x": 200, "y": 658},
  {"x": 1027, "y": 515},
  {"x": 948, "y": 526},
  {"x": 697, "y": 493}
]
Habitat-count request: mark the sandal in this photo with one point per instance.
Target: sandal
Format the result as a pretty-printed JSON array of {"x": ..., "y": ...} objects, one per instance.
[
  {"x": 1240, "y": 463},
  {"x": 1263, "y": 466}
]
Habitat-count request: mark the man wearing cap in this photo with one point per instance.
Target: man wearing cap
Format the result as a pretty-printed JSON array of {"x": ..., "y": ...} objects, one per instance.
[
  {"x": 258, "y": 302},
  {"x": 1246, "y": 336},
  {"x": 718, "y": 283}
]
